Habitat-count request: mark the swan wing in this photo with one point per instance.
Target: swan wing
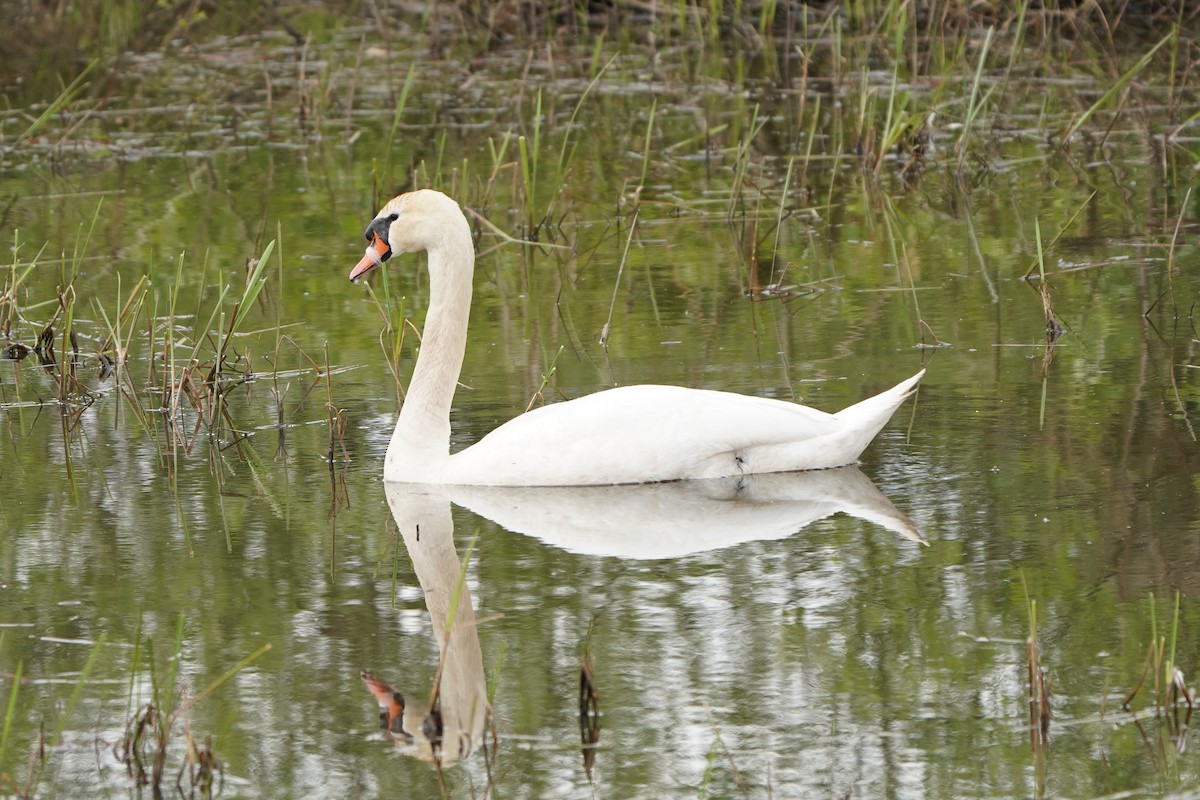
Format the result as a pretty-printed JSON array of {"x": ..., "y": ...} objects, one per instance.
[{"x": 648, "y": 433}]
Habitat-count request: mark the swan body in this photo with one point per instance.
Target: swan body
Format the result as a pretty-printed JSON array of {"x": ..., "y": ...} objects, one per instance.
[{"x": 631, "y": 434}]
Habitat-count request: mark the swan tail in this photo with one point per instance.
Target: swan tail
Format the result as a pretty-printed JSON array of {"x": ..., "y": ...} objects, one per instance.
[{"x": 869, "y": 416}]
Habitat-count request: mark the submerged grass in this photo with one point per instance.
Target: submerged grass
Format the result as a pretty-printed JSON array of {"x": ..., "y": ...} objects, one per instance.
[
  {"x": 1170, "y": 702},
  {"x": 151, "y": 728},
  {"x": 175, "y": 378},
  {"x": 10, "y": 712}
]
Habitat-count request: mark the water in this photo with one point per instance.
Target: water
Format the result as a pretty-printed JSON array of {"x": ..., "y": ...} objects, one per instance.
[{"x": 778, "y": 652}]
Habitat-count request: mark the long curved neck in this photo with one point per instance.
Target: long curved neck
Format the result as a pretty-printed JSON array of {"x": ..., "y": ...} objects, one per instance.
[{"x": 421, "y": 441}]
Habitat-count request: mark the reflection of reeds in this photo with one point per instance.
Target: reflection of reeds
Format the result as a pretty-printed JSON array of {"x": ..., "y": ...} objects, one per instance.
[
  {"x": 589, "y": 708},
  {"x": 715, "y": 750}
]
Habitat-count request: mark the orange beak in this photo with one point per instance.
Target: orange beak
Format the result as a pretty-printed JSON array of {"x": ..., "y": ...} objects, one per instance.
[{"x": 377, "y": 252}]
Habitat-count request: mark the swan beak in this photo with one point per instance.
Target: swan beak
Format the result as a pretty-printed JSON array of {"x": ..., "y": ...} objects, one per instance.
[{"x": 377, "y": 252}]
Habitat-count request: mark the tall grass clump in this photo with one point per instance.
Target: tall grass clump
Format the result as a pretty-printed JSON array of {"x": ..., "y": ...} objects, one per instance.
[
  {"x": 1169, "y": 695},
  {"x": 152, "y": 728}
]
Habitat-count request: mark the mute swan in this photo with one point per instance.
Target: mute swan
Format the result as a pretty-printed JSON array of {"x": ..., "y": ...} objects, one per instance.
[{"x": 630, "y": 434}]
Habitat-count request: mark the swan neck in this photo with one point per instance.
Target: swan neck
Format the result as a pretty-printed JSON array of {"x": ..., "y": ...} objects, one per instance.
[{"x": 421, "y": 441}]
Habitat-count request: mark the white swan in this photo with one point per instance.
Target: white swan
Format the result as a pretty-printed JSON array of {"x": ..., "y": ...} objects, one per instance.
[{"x": 630, "y": 434}]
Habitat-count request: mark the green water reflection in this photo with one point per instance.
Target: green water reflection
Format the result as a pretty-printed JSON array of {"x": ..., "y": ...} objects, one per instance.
[{"x": 839, "y": 659}]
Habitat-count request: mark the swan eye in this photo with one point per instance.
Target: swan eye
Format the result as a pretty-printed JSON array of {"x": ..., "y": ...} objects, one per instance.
[{"x": 379, "y": 227}]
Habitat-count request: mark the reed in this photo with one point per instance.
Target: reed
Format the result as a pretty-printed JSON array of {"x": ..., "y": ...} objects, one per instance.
[
  {"x": 528, "y": 201},
  {"x": 18, "y": 272},
  {"x": 607, "y": 329},
  {"x": 897, "y": 123},
  {"x": 539, "y": 398},
  {"x": 646, "y": 148},
  {"x": 1116, "y": 89},
  {"x": 1169, "y": 692},
  {"x": 1038, "y": 260},
  {"x": 975, "y": 103},
  {"x": 254, "y": 286},
  {"x": 65, "y": 98},
  {"x": 113, "y": 352},
  {"x": 1039, "y": 686},
  {"x": 150, "y": 729},
  {"x": 742, "y": 161},
  {"x": 10, "y": 709},
  {"x": 335, "y": 418},
  {"x": 570, "y": 144},
  {"x": 382, "y": 193},
  {"x": 1171, "y": 702},
  {"x": 530, "y": 156},
  {"x": 1017, "y": 39},
  {"x": 779, "y": 217}
]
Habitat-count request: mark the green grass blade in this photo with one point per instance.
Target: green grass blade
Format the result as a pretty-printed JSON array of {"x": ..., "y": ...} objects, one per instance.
[
  {"x": 77, "y": 691},
  {"x": 401, "y": 102},
  {"x": 66, "y": 96},
  {"x": 10, "y": 711},
  {"x": 565, "y": 156},
  {"x": 229, "y": 673},
  {"x": 254, "y": 285},
  {"x": 1129, "y": 75}
]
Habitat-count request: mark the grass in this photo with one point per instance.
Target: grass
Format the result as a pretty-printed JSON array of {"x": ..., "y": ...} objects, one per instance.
[
  {"x": 174, "y": 384},
  {"x": 39, "y": 758},
  {"x": 1039, "y": 698},
  {"x": 1116, "y": 88},
  {"x": 182, "y": 349},
  {"x": 153, "y": 727},
  {"x": 975, "y": 103},
  {"x": 10, "y": 710},
  {"x": 1171, "y": 702}
]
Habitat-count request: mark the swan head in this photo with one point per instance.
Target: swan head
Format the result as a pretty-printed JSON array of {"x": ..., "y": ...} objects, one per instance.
[{"x": 406, "y": 224}]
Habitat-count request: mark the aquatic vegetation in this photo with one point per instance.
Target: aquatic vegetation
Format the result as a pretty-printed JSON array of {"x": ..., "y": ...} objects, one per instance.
[{"x": 778, "y": 198}]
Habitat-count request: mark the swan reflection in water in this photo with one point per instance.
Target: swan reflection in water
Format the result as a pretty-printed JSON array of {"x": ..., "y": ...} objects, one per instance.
[
  {"x": 647, "y": 521},
  {"x": 452, "y": 723},
  {"x": 679, "y": 518}
]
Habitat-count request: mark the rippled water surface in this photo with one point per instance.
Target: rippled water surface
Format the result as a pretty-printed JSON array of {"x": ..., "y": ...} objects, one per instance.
[{"x": 725, "y": 220}]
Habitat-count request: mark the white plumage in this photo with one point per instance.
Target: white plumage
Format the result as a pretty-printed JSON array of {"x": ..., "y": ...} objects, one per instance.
[{"x": 632, "y": 434}]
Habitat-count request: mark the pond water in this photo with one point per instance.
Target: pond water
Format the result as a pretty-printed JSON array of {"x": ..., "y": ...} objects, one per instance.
[{"x": 723, "y": 220}]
